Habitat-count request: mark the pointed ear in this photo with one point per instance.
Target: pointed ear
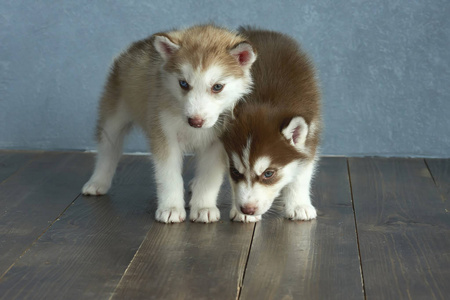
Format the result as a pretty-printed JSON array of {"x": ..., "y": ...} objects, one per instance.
[
  {"x": 165, "y": 47},
  {"x": 244, "y": 54},
  {"x": 296, "y": 131}
]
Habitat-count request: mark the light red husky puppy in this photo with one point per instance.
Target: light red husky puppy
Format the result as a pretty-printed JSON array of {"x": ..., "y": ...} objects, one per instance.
[
  {"x": 177, "y": 86},
  {"x": 272, "y": 142}
]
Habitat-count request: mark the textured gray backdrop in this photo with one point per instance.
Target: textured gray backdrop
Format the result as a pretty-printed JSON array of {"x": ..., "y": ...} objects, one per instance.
[{"x": 384, "y": 66}]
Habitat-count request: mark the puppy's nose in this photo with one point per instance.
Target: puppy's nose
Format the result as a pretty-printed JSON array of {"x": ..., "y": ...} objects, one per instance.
[
  {"x": 248, "y": 209},
  {"x": 196, "y": 122}
]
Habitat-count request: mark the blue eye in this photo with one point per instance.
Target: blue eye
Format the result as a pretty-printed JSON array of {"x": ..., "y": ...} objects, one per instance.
[
  {"x": 217, "y": 88},
  {"x": 268, "y": 174},
  {"x": 183, "y": 84}
]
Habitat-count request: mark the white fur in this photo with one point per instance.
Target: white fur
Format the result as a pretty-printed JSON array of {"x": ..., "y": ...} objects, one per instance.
[
  {"x": 169, "y": 181},
  {"x": 261, "y": 165},
  {"x": 294, "y": 185},
  {"x": 296, "y": 124},
  {"x": 200, "y": 101},
  {"x": 210, "y": 167},
  {"x": 297, "y": 196},
  {"x": 175, "y": 106},
  {"x": 246, "y": 154},
  {"x": 206, "y": 184},
  {"x": 262, "y": 196},
  {"x": 109, "y": 151},
  {"x": 237, "y": 216},
  {"x": 237, "y": 162}
]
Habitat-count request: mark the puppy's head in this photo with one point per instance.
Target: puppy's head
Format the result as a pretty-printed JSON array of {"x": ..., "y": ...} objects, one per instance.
[
  {"x": 266, "y": 149},
  {"x": 207, "y": 69}
]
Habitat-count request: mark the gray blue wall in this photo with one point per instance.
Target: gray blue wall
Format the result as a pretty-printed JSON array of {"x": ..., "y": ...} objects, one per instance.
[{"x": 384, "y": 66}]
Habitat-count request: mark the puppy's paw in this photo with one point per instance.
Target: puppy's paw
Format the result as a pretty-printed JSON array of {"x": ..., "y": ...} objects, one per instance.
[
  {"x": 204, "y": 215},
  {"x": 237, "y": 216},
  {"x": 301, "y": 212},
  {"x": 95, "y": 188},
  {"x": 171, "y": 215}
]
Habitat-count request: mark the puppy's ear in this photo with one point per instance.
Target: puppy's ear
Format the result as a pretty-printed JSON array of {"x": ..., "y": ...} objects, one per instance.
[
  {"x": 295, "y": 131},
  {"x": 165, "y": 47},
  {"x": 244, "y": 54}
]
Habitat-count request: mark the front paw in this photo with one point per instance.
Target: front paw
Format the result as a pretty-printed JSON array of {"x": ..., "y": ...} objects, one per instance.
[
  {"x": 205, "y": 214},
  {"x": 301, "y": 212},
  {"x": 95, "y": 188},
  {"x": 237, "y": 216},
  {"x": 171, "y": 215}
]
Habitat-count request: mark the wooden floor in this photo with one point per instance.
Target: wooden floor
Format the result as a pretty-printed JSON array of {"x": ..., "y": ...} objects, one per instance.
[{"x": 382, "y": 232}]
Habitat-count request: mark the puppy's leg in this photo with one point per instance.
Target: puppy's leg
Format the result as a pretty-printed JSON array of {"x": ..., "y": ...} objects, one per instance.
[
  {"x": 206, "y": 184},
  {"x": 112, "y": 128},
  {"x": 297, "y": 195},
  {"x": 170, "y": 190}
]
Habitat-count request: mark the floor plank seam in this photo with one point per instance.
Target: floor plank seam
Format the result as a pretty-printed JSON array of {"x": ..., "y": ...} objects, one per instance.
[
  {"x": 59, "y": 244},
  {"x": 356, "y": 230},
  {"x": 443, "y": 198},
  {"x": 241, "y": 283},
  {"x": 38, "y": 238},
  {"x": 129, "y": 265},
  {"x": 431, "y": 173}
]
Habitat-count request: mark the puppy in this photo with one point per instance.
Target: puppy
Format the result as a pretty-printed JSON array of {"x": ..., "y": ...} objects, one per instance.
[
  {"x": 177, "y": 86},
  {"x": 272, "y": 142}
]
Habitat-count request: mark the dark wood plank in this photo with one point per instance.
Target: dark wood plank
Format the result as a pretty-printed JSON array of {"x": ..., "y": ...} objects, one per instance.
[
  {"x": 85, "y": 253},
  {"x": 34, "y": 197},
  {"x": 12, "y": 161},
  {"x": 403, "y": 228},
  {"x": 440, "y": 170},
  {"x": 189, "y": 260},
  {"x": 309, "y": 260}
]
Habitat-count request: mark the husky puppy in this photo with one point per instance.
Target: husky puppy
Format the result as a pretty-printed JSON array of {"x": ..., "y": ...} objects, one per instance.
[
  {"x": 176, "y": 86},
  {"x": 272, "y": 142}
]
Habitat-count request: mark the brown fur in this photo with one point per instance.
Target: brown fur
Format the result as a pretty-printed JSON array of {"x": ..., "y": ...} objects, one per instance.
[
  {"x": 135, "y": 79},
  {"x": 255, "y": 178},
  {"x": 196, "y": 41},
  {"x": 285, "y": 86}
]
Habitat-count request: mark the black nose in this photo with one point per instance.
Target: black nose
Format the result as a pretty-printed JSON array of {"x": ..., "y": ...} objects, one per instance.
[
  {"x": 196, "y": 122},
  {"x": 248, "y": 210}
]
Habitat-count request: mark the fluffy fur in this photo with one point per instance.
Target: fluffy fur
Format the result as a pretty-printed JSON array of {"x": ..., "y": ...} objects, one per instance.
[
  {"x": 177, "y": 86},
  {"x": 272, "y": 141}
]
